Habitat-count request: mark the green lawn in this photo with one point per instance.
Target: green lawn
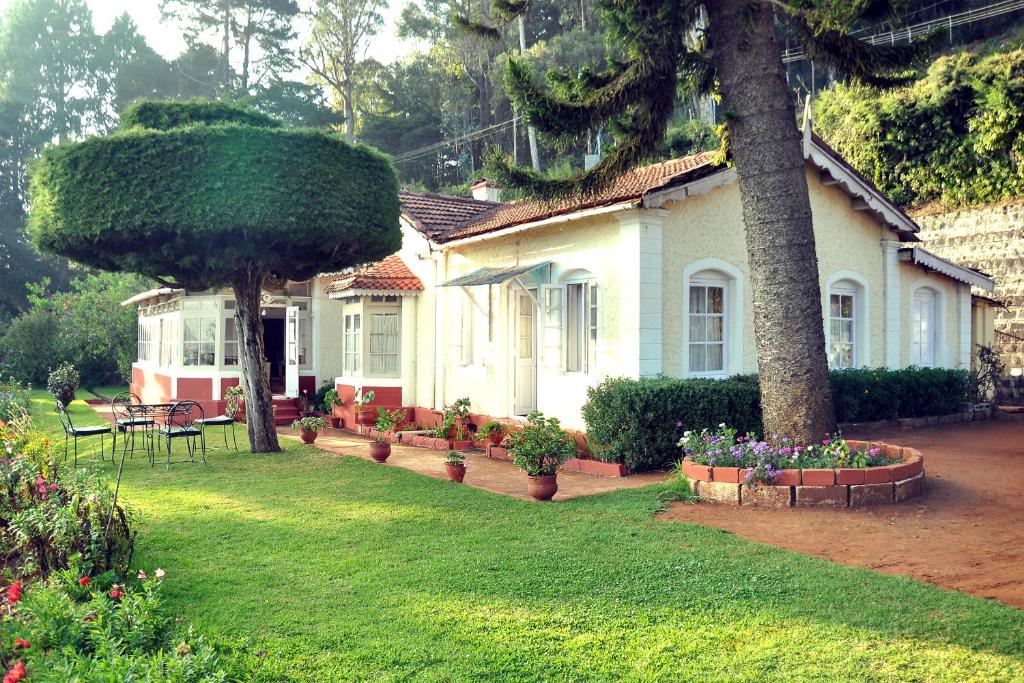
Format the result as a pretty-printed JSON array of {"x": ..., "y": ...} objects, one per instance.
[{"x": 340, "y": 569}]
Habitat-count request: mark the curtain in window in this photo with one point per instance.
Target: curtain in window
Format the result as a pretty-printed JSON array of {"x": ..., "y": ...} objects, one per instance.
[
  {"x": 842, "y": 317},
  {"x": 707, "y": 328},
  {"x": 384, "y": 343}
]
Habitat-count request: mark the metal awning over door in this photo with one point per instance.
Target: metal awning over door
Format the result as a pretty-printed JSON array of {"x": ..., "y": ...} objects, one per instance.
[{"x": 494, "y": 276}]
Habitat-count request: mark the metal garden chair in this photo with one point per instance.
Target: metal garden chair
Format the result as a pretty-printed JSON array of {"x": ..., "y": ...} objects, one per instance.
[
  {"x": 127, "y": 420},
  {"x": 225, "y": 421},
  {"x": 183, "y": 422},
  {"x": 75, "y": 433}
]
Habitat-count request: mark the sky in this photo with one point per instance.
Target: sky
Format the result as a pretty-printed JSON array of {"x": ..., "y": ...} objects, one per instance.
[{"x": 167, "y": 40}]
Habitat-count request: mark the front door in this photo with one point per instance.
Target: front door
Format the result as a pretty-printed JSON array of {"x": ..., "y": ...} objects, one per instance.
[
  {"x": 525, "y": 399},
  {"x": 291, "y": 352}
]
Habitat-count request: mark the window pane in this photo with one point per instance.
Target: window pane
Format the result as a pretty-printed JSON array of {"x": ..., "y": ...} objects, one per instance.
[
  {"x": 191, "y": 329},
  {"x": 846, "y": 309},
  {"x": 833, "y": 306},
  {"x": 697, "y": 358},
  {"x": 845, "y": 331},
  {"x": 698, "y": 299},
  {"x": 716, "y": 299},
  {"x": 698, "y": 328},
  {"x": 714, "y": 328},
  {"x": 833, "y": 331},
  {"x": 716, "y": 357}
]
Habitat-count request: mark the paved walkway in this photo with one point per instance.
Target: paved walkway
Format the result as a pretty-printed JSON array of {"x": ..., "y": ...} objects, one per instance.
[
  {"x": 482, "y": 472},
  {"x": 966, "y": 533}
]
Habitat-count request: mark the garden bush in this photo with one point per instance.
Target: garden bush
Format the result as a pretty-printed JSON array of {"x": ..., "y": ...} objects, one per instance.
[
  {"x": 78, "y": 627},
  {"x": 63, "y": 383},
  {"x": 14, "y": 400},
  {"x": 51, "y": 513},
  {"x": 638, "y": 422}
]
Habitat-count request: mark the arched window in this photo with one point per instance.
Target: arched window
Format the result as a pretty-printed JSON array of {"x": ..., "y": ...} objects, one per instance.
[
  {"x": 571, "y": 322},
  {"x": 923, "y": 327},
  {"x": 708, "y": 319},
  {"x": 846, "y": 333}
]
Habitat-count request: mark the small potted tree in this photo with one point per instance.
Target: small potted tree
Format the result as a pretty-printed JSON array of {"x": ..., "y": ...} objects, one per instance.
[
  {"x": 364, "y": 417},
  {"x": 330, "y": 402},
  {"x": 455, "y": 465},
  {"x": 63, "y": 383},
  {"x": 539, "y": 450},
  {"x": 233, "y": 401},
  {"x": 493, "y": 431},
  {"x": 309, "y": 427}
]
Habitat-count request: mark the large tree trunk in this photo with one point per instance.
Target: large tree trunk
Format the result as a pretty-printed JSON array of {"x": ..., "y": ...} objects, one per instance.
[
  {"x": 259, "y": 412},
  {"x": 795, "y": 393}
]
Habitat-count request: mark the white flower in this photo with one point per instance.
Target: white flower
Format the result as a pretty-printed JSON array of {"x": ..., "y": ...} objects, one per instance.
[
  {"x": 722, "y": 425},
  {"x": 686, "y": 434},
  {"x": 159, "y": 574}
]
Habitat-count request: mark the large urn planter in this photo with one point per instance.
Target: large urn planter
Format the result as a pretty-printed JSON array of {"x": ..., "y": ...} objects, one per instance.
[
  {"x": 380, "y": 451},
  {"x": 309, "y": 427},
  {"x": 308, "y": 435},
  {"x": 366, "y": 418},
  {"x": 455, "y": 466},
  {"x": 543, "y": 487}
]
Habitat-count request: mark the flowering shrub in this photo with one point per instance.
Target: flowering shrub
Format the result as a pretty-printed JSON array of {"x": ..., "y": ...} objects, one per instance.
[
  {"x": 766, "y": 458},
  {"x": 63, "y": 383},
  {"x": 74, "y": 627},
  {"x": 13, "y": 400},
  {"x": 50, "y": 512},
  {"x": 312, "y": 424}
]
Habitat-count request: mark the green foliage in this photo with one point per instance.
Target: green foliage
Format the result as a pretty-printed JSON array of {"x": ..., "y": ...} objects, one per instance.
[
  {"x": 106, "y": 631},
  {"x": 689, "y": 138},
  {"x": 989, "y": 369},
  {"x": 63, "y": 382},
  {"x": 454, "y": 420},
  {"x": 639, "y": 422},
  {"x": 866, "y": 395},
  {"x": 326, "y": 397},
  {"x": 953, "y": 137},
  {"x": 310, "y": 423},
  {"x": 542, "y": 446},
  {"x": 157, "y": 115},
  {"x": 389, "y": 420},
  {"x": 493, "y": 427},
  {"x": 54, "y": 514},
  {"x": 233, "y": 398},
  {"x": 454, "y": 458},
  {"x": 295, "y": 201},
  {"x": 28, "y": 347},
  {"x": 13, "y": 400}
]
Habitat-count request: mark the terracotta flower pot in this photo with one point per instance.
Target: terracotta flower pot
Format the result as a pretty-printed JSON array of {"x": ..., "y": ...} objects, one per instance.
[
  {"x": 366, "y": 417},
  {"x": 380, "y": 451},
  {"x": 456, "y": 472},
  {"x": 308, "y": 435},
  {"x": 335, "y": 422},
  {"x": 496, "y": 439},
  {"x": 543, "y": 487}
]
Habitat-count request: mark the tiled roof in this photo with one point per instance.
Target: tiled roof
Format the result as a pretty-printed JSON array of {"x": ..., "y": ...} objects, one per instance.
[
  {"x": 435, "y": 215},
  {"x": 452, "y": 218},
  {"x": 391, "y": 274}
]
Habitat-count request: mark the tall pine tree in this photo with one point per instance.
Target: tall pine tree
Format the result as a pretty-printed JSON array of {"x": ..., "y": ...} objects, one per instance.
[{"x": 732, "y": 47}]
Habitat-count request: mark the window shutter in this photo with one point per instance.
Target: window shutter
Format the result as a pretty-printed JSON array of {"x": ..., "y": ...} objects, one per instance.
[
  {"x": 593, "y": 324},
  {"x": 552, "y": 311}
]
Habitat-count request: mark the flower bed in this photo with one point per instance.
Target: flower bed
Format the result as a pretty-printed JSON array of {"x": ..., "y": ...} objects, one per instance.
[{"x": 901, "y": 479}]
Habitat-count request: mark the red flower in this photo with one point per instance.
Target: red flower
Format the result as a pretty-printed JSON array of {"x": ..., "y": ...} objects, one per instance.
[
  {"x": 16, "y": 673},
  {"x": 116, "y": 592},
  {"x": 14, "y": 592},
  {"x": 84, "y": 581},
  {"x": 21, "y": 644}
]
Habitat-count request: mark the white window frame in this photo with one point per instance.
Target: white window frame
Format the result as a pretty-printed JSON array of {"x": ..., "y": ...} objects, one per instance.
[
  {"x": 917, "y": 340},
  {"x": 352, "y": 343},
  {"x": 461, "y": 330},
  {"x": 854, "y": 320},
  {"x": 705, "y": 282},
  {"x": 204, "y": 325},
  {"x": 368, "y": 336},
  {"x": 584, "y": 322}
]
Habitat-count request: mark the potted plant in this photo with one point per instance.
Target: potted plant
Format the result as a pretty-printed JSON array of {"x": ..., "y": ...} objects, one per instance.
[
  {"x": 63, "y": 382},
  {"x": 455, "y": 464},
  {"x": 494, "y": 432},
  {"x": 389, "y": 420},
  {"x": 453, "y": 420},
  {"x": 364, "y": 417},
  {"x": 380, "y": 449},
  {"x": 539, "y": 450},
  {"x": 233, "y": 401},
  {"x": 330, "y": 402},
  {"x": 309, "y": 427}
]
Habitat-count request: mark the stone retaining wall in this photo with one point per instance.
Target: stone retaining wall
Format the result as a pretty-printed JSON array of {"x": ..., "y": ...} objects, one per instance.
[{"x": 840, "y": 487}]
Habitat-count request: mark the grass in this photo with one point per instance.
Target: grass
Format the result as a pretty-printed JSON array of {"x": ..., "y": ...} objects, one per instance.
[
  {"x": 107, "y": 392},
  {"x": 331, "y": 568}
]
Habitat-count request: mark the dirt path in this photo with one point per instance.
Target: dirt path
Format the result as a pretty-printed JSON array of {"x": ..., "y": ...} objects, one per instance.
[{"x": 966, "y": 533}]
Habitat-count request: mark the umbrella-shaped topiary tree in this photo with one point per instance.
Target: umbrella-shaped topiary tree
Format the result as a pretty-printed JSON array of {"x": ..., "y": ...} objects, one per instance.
[{"x": 206, "y": 194}]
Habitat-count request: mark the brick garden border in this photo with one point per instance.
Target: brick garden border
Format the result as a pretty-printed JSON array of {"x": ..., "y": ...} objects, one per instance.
[{"x": 839, "y": 488}]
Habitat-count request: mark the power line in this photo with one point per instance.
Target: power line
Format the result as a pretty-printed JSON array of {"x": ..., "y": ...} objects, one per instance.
[
  {"x": 909, "y": 33},
  {"x": 467, "y": 137}
]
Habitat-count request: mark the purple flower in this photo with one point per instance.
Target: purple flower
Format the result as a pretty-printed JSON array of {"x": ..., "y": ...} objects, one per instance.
[{"x": 679, "y": 423}]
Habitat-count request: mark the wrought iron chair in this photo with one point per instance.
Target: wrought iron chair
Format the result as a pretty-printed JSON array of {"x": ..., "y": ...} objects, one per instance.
[
  {"x": 73, "y": 432},
  {"x": 225, "y": 421},
  {"x": 183, "y": 422},
  {"x": 126, "y": 421}
]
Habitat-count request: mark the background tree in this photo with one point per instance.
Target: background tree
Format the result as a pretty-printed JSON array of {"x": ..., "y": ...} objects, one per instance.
[
  {"x": 340, "y": 30},
  {"x": 270, "y": 202},
  {"x": 668, "y": 44}
]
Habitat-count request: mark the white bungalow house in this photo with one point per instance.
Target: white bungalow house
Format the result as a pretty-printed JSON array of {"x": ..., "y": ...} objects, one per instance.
[{"x": 524, "y": 305}]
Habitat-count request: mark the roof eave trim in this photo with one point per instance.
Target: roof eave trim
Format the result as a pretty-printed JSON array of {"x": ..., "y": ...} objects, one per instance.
[
  {"x": 928, "y": 260},
  {"x": 551, "y": 220},
  {"x": 150, "y": 294},
  {"x": 677, "y": 193},
  {"x": 346, "y": 293}
]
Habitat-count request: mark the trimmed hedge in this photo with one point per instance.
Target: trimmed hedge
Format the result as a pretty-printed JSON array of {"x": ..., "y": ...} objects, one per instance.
[{"x": 638, "y": 422}]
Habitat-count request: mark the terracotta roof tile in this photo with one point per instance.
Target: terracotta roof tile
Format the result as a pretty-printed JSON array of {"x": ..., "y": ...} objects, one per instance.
[
  {"x": 391, "y": 274},
  {"x": 453, "y": 218}
]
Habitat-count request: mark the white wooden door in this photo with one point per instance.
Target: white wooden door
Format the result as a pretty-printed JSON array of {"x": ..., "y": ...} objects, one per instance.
[
  {"x": 525, "y": 353},
  {"x": 291, "y": 353}
]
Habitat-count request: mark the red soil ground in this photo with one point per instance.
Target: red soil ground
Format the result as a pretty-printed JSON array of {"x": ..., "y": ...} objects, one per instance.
[{"x": 966, "y": 533}]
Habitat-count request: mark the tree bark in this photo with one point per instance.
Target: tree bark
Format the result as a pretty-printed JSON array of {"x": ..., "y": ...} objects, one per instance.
[
  {"x": 350, "y": 117},
  {"x": 259, "y": 412},
  {"x": 796, "y": 397}
]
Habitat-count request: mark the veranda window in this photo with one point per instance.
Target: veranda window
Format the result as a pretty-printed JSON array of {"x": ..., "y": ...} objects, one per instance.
[
  {"x": 384, "y": 343},
  {"x": 707, "y": 325},
  {"x": 352, "y": 344},
  {"x": 581, "y": 326},
  {"x": 168, "y": 342},
  {"x": 230, "y": 341},
  {"x": 145, "y": 340},
  {"x": 841, "y": 323},
  {"x": 199, "y": 346},
  {"x": 922, "y": 332}
]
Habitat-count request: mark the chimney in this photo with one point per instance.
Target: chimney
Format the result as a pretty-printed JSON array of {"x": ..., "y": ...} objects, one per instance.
[{"x": 486, "y": 191}]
